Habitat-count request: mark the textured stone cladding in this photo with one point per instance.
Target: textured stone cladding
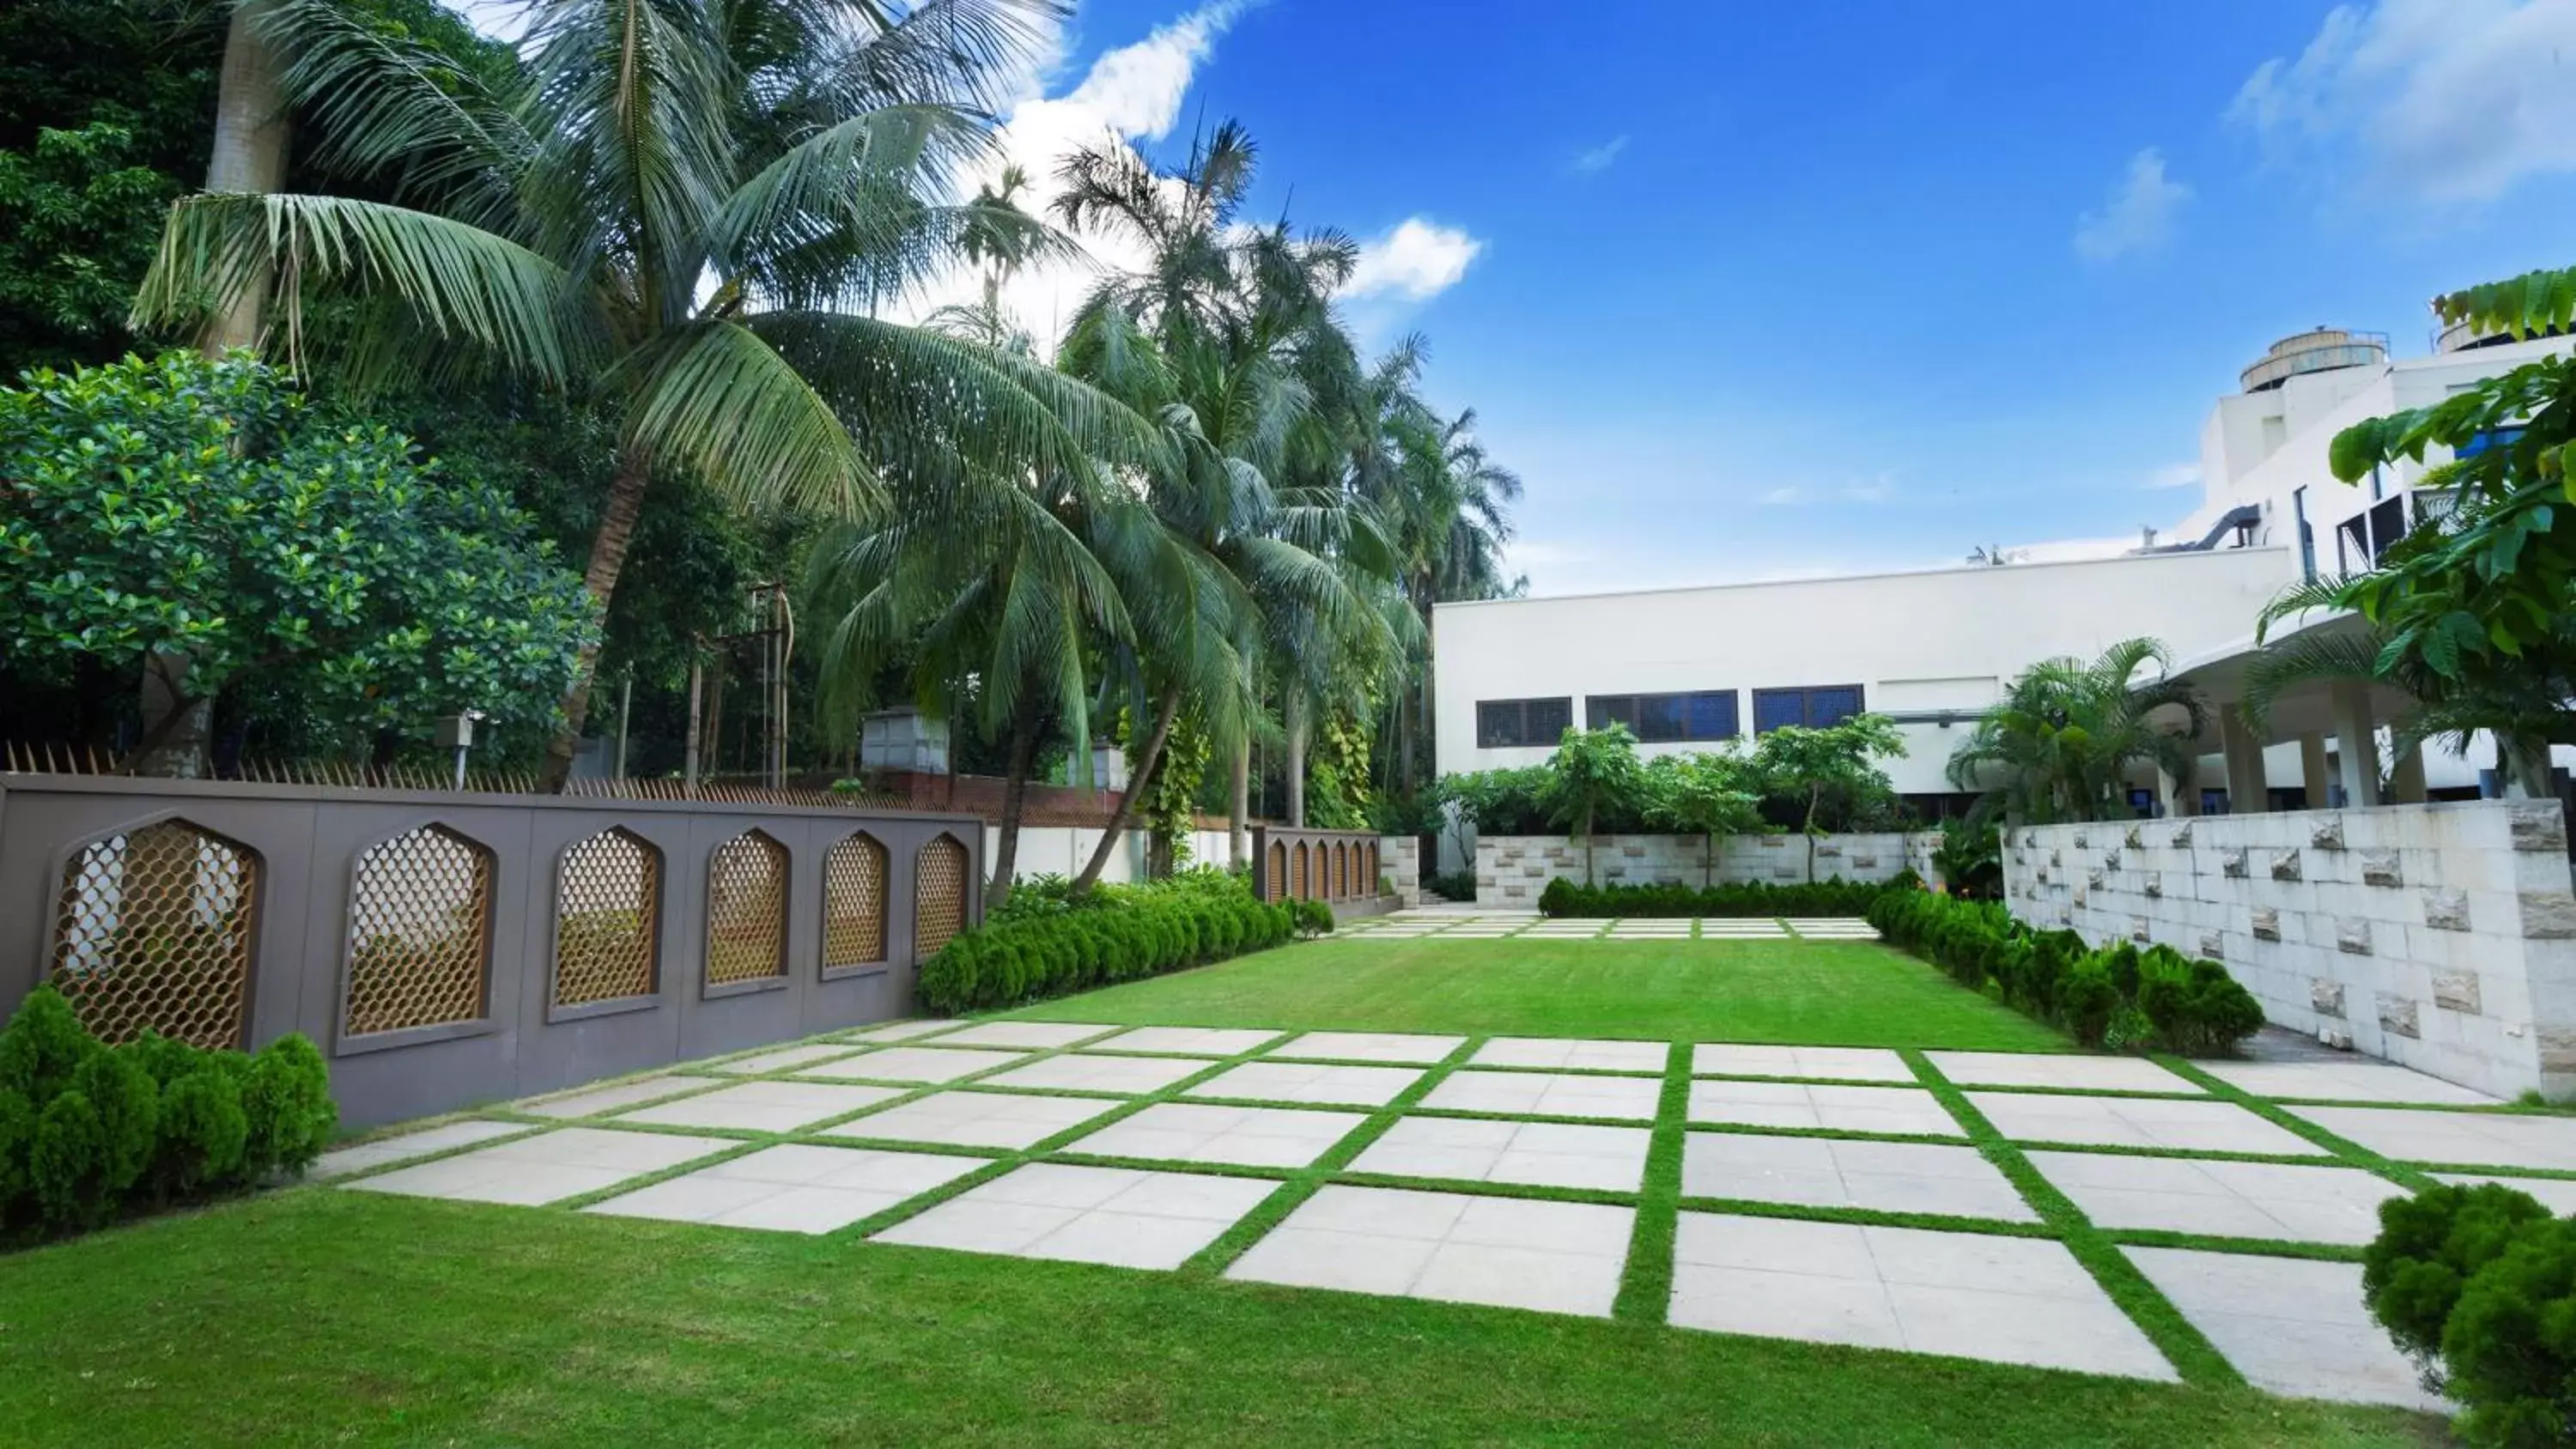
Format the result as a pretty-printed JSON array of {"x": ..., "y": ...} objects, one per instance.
[
  {"x": 1399, "y": 859},
  {"x": 1511, "y": 870},
  {"x": 2440, "y": 936}
]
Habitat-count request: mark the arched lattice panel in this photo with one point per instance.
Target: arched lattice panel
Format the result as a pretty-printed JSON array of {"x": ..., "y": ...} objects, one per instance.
[
  {"x": 1341, "y": 871},
  {"x": 420, "y": 933},
  {"x": 1278, "y": 871},
  {"x": 746, "y": 910},
  {"x": 1368, "y": 887},
  {"x": 1297, "y": 873},
  {"x": 938, "y": 896},
  {"x": 854, "y": 903},
  {"x": 608, "y": 915},
  {"x": 152, "y": 932}
]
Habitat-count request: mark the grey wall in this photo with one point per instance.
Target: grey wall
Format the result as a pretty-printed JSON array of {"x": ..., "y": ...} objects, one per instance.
[{"x": 308, "y": 839}]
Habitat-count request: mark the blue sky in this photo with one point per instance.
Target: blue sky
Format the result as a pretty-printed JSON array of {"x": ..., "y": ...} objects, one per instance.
[
  {"x": 1748, "y": 290},
  {"x": 1778, "y": 289}
]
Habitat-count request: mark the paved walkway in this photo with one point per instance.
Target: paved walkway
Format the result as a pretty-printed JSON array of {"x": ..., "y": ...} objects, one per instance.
[{"x": 1959, "y": 1203}]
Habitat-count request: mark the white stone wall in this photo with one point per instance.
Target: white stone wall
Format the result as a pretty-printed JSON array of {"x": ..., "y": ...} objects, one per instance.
[
  {"x": 1511, "y": 870},
  {"x": 2440, "y": 936},
  {"x": 1399, "y": 860}
]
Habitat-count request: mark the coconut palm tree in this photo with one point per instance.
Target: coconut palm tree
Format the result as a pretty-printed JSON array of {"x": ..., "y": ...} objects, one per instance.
[
  {"x": 688, "y": 206},
  {"x": 2067, "y": 733}
]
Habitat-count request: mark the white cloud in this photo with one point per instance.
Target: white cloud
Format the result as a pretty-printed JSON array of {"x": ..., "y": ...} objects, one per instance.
[
  {"x": 1877, "y": 489},
  {"x": 2174, "y": 475},
  {"x": 1419, "y": 260},
  {"x": 2443, "y": 100},
  {"x": 1600, "y": 157},
  {"x": 2139, "y": 216}
]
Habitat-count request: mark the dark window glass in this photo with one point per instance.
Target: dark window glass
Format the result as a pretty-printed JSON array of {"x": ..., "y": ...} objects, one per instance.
[
  {"x": 1665, "y": 718},
  {"x": 1712, "y": 715},
  {"x": 1512, "y": 723},
  {"x": 1814, "y": 708},
  {"x": 1773, "y": 708}
]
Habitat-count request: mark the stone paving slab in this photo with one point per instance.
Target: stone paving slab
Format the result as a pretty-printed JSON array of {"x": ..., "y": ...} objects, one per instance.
[
  {"x": 1893, "y": 1111},
  {"x": 1969, "y": 1295},
  {"x": 1580, "y": 1055},
  {"x": 2558, "y": 1194},
  {"x": 2138, "y": 1122},
  {"x": 1547, "y": 1094},
  {"x": 1917, "y": 1177},
  {"x": 1309, "y": 1082},
  {"x": 607, "y": 1099},
  {"x": 2073, "y": 1073},
  {"x": 916, "y": 1064},
  {"x": 386, "y": 1150},
  {"x": 548, "y": 1167},
  {"x": 763, "y": 1106},
  {"x": 1394, "y": 1048},
  {"x": 1027, "y": 1035},
  {"x": 2290, "y": 1325},
  {"x": 976, "y": 1119},
  {"x": 1849, "y": 1064},
  {"x": 905, "y": 1030},
  {"x": 2222, "y": 1199},
  {"x": 1509, "y": 1252},
  {"x": 1548, "y": 1154},
  {"x": 1196, "y": 1041},
  {"x": 780, "y": 1060},
  {"x": 792, "y": 1188},
  {"x": 1239, "y": 1136},
  {"x": 1113, "y": 1215},
  {"x": 2479, "y": 1139},
  {"x": 1127, "y": 1076},
  {"x": 2352, "y": 1081}
]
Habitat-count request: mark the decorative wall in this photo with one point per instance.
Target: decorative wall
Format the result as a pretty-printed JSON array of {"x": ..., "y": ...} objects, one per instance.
[
  {"x": 1511, "y": 870},
  {"x": 2439, "y": 936}
]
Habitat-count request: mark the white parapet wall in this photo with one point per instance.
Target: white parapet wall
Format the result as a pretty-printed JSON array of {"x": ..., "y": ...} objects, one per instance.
[
  {"x": 2439, "y": 936},
  {"x": 1511, "y": 870}
]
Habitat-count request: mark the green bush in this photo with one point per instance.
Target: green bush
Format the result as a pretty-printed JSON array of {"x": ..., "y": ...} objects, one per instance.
[
  {"x": 1456, "y": 885},
  {"x": 1836, "y": 897},
  {"x": 88, "y": 1132},
  {"x": 1118, "y": 933},
  {"x": 2478, "y": 1285},
  {"x": 2088, "y": 1001}
]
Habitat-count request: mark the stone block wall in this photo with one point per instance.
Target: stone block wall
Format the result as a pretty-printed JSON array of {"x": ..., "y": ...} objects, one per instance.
[
  {"x": 1399, "y": 860},
  {"x": 2439, "y": 936},
  {"x": 1511, "y": 870}
]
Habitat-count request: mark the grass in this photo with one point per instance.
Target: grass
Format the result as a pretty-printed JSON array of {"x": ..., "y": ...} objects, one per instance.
[
  {"x": 320, "y": 1317},
  {"x": 1808, "y": 993}
]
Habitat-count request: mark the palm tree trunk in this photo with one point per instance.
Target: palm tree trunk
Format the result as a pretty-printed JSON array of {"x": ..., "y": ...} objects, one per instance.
[
  {"x": 1015, "y": 798},
  {"x": 1238, "y": 836},
  {"x": 2525, "y": 762},
  {"x": 1294, "y": 707},
  {"x": 252, "y": 129},
  {"x": 1164, "y": 714},
  {"x": 607, "y": 559}
]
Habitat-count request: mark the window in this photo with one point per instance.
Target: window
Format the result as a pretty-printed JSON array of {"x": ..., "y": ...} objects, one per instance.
[
  {"x": 1508, "y": 723},
  {"x": 1815, "y": 708},
  {"x": 1665, "y": 718},
  {"x": 2492, "y": 438},
  {"x": 2307, "y": 535},
  {"x": 2362, "y": 538}
]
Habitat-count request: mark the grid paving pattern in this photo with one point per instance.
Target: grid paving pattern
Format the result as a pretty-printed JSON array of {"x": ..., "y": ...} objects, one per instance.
[
  {"x": 2045, "y": 1215},
  {"x": 1503, "y": 926}
]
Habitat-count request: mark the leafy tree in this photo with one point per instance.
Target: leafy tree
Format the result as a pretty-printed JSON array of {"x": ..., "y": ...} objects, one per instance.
[
  {"x": 1812, "y": 766},
  {"x": 1707, "y": 795},
  {"x": 1593, "y": 773},
  {"x": 684, "y": 206},
  {"x": 2475, "y": 616},
  {"x": 78, "y": 218},
  {"x": 198, "y": 528},
  {"x": 2061, "y": 743}
]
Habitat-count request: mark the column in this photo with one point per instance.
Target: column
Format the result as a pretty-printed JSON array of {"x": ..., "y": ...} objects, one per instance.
[
  {"x": 2407, "y": 784},
  {"x": 2356, "y": 745},
  {"x": 2180, "y": 792},
  {"x": 2312, "y": 770},
  {"x": 2248, "y": 788}
]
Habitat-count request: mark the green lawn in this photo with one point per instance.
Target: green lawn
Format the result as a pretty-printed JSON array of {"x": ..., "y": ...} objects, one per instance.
[
  {"x": 315, "y": 1316},
  {"x": 1814, "y": 993}
]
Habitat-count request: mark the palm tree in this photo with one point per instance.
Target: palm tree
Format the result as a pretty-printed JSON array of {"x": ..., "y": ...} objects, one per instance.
[
  {"x": 2063, "y": 740},
  {"x": 687, "y": 206}
]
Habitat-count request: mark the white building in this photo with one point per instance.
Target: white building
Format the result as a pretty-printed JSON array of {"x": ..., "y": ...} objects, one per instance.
[{"x": 1689, "y": 668}]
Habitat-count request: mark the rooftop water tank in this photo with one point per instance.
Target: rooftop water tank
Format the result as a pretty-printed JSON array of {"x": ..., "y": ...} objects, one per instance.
[{"x": 2320, "y": 349}]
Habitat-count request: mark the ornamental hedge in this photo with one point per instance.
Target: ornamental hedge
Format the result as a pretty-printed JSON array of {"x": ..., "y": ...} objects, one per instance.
[
  {"x": 2478, "y": 1286},
  {"x": 2119, "y": 997},
  {"x": 89, "y": 1131},
  {"x": 1042, "y": 945},
  {"x": 1836, "y": 897}
]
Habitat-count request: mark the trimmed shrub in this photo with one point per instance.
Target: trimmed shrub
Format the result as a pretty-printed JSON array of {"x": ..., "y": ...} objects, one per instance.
[
  {"x": 287, "y": 1101},
  {"x": 2478, "y": 1285},
  {"x": 1119, "y": 933},
  {"x": 1314, "y": 918},
  {"x": 2088, "y": 1000},
  {"x": 67, "y": 1162},
  {"x": 203, "y": 1132},
  {"x": 1836, "y": 897}
]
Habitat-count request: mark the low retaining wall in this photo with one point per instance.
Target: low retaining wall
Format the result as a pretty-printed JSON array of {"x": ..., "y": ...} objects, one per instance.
[
  {"x": 2439, "y": 936},
  {"x": 1400, "y": 862},
  {"x": 445, "y": 949},
  {"x": 1512, "y": 870}
]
